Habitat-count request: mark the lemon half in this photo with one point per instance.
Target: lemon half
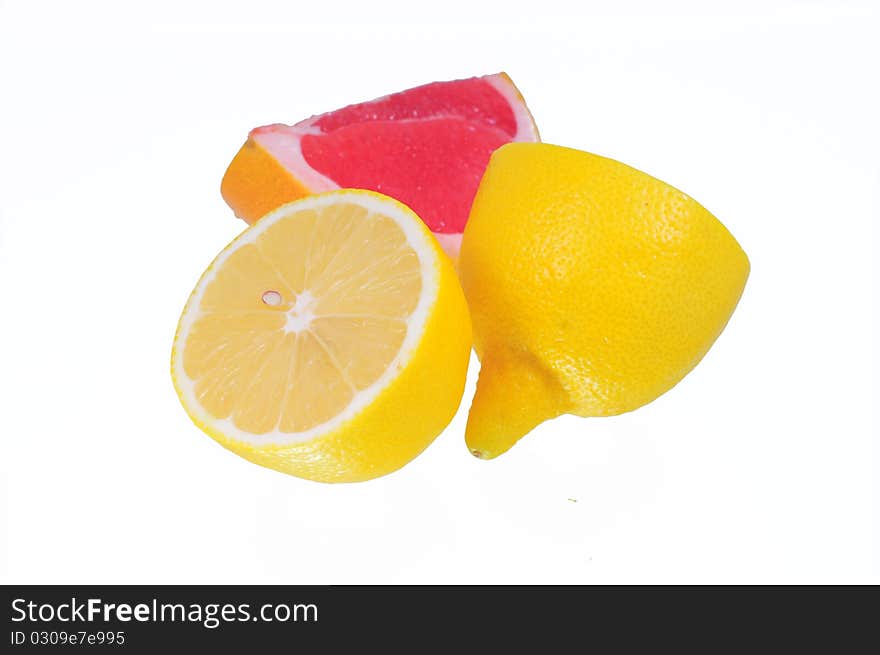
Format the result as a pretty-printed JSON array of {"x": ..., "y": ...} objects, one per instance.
[
  {"x": 330, "y": 340},
  {"x": 593, "y": 289}
]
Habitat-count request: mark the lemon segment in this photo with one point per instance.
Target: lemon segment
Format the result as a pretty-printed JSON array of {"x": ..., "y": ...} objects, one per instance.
[{"x": 296, "y": 347}]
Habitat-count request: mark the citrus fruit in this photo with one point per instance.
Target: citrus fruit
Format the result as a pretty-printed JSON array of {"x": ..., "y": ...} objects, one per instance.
[
  {"x": 329, "y": 341},
  {"x": 593, "y": 288},
  {"x": 427, "y": 147}
]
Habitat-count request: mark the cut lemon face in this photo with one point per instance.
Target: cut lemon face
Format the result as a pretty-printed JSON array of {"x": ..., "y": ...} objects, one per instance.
[{"x": 330, "y": 340}]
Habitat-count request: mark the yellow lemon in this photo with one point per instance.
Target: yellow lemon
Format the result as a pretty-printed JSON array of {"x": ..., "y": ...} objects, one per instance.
[
  {"x": 593, "y": 288},
  {"x": 330, "y": 340}
]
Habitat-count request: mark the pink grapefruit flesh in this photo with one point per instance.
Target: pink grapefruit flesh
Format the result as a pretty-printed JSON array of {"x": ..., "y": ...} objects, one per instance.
[{"x": 427, "y": 147}]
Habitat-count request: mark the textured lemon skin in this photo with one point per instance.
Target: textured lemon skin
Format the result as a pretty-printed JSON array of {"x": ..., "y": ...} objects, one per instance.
[
  {"x": 402, "y": 420},
  {"x": 593, "y": 289}
]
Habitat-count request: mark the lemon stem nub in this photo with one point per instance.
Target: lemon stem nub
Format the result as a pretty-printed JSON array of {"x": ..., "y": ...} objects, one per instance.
[{"x": 514, "y": 395}]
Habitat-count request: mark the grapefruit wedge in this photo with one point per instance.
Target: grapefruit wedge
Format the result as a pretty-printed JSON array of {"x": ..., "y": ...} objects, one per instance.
[{"x": 427, "y": 147}]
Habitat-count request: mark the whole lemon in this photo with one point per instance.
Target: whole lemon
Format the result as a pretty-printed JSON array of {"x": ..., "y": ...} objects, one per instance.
[{"x": 593, "y": 288}]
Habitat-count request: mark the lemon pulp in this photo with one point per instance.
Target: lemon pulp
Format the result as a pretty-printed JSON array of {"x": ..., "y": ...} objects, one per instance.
[{"x": 293, "y": 324}]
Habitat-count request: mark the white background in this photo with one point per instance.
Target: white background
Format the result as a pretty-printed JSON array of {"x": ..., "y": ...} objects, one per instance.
[{"x": 116, "y": 124}]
